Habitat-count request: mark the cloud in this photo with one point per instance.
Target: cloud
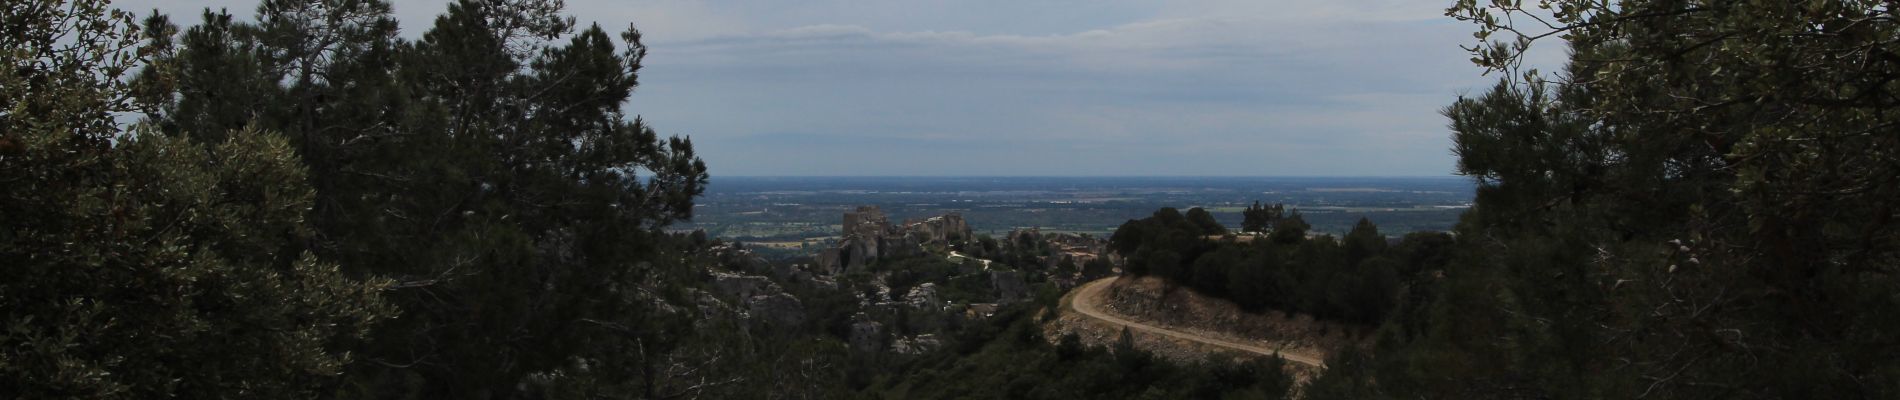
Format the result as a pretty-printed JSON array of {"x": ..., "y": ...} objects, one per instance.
[
  {"x": 1190, "y": 95},
  {"x": 1052, "y": 87}
]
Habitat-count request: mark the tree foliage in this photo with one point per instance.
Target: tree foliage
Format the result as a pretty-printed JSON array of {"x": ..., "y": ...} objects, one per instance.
[
  {"x": 1699, "y": 206},
  {"x": 1358, "y": 280},
  {"x": 142, "y": 264},
  {"x": 497, "y": 139},
  {"x": 483, "y": 182},
  {"x": 1260, "y": 218}
]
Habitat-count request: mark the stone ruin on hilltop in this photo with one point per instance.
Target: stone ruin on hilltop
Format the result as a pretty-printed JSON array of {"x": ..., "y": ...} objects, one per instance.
[{"x": 868, "y": 235}]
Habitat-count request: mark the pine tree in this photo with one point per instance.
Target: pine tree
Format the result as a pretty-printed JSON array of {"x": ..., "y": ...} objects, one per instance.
[
  {"x": 144, "y": 264},
  {"x": 1699, "y": 206},
  {"x": 1205, "y": 221},
  {"x": 1290, "y": 229},
  {"x": 487, "y": 168},
  {"x": 1363, "y": 242},
  {"x": 1259, "y": 219}
]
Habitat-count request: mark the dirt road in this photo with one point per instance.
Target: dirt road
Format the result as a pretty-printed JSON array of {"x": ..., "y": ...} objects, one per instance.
[{"x": 1087, "y": 298}]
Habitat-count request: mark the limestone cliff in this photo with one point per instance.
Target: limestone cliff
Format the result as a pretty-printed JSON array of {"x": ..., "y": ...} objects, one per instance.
[
  {"x": 867, "y": 236},
  {"x": 939, "y": 230}
]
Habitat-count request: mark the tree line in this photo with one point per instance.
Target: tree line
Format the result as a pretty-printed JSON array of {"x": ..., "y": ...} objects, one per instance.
[{"x": 1355, "y": 278}]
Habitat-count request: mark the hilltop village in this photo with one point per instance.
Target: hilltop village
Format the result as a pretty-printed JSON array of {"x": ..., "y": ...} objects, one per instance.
[{"x": 909, "y": 282}]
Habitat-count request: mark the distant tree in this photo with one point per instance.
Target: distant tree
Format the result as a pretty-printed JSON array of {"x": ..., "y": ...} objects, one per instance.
[
  {"x": 1424, "y": 251},
  {"x": 1097, "y": 268},
  {"x": 1364, "y": 241},
  {"x": 1129, "y": 236},
  {"x": 1205, "y": 221},
  {"x": 1355, "y": 280},
  {"x": 698, "y": 238},
  {"x": 1210, "y": 272},
  {"x": 1290, "y": 229},
  {"x": 988, "y": 247},
  {"x": 1167, "y": 264},
  {"x": 1373, "y": 290},
  {"x": 1261, "y": 282},
  {"x": 1259, "y": 219},
  {"x": 1321, "y": 279}
]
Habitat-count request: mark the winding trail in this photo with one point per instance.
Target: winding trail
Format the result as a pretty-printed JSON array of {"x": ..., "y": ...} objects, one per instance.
[{"x": 1086, "y": 302}]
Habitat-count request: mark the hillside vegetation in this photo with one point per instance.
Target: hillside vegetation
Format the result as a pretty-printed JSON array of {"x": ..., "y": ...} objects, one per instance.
[
  {"x": 1700, "y": 205},
  {"x": 305, "y": 204},
  {"x": 1354, "y": 279}
]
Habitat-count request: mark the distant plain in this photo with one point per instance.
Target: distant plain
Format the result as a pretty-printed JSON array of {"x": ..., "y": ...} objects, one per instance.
[{"x": 789, "y": 213}]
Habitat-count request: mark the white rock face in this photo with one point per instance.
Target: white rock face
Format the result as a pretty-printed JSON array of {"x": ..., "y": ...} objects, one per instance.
[{"x": 924, "y": 297}]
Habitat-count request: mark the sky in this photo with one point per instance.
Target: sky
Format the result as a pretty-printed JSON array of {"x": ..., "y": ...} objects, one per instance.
[{"x": 1035, "y": 87}]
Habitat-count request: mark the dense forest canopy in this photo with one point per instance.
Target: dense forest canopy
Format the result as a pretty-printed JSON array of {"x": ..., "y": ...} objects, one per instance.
[
  {"x": 310, "y": 205},
  {"x": 1355, "y": 278},
  {"x": 1699, "y": 205}
]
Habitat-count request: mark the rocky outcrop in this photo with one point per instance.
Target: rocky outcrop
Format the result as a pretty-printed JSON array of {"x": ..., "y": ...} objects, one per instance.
[
  {"x": 1076, "y": 249},
  {"x": 924, "y": 297},
  {"x": 862, "y": 240},
  {"x": 867, "y": 235},
  {"x": 761, "y": 299},
  {"x": 734, "y": 258},
  {"x": 829, "y": 261},
  {"x": 707, "y": 306},
  {"x": 914, "y": 345},
  {"x": 867, "y": 221},
  {"x": 1054, "y": 249},
  {"x": 939, "y": 230},
  {"x": 743, "y": 286},
  {"x": 1024, "y": 235},
  {"x": 980, "y": 310}
]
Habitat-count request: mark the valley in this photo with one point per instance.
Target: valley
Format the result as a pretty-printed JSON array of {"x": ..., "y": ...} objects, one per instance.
[{"x": 793, "y": 216}]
